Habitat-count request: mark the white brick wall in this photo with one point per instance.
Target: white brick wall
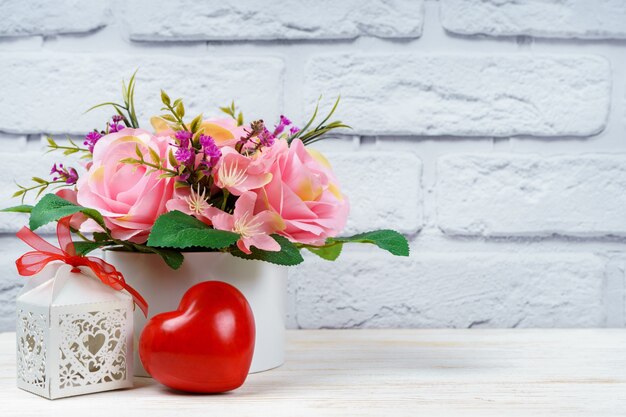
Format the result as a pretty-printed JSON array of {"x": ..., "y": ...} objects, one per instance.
[
  {"x": 502, "y": 157},
  {"x": 495, "y": 95},
  {"x": 530, "y": 195},
  {"x": 602, "y": 19},
  {"x": 42, "y": 17},
  {"x": 452, "y": 290},
  {"x": 39, "y": 80},
  {"x": 288, "y": 19}
]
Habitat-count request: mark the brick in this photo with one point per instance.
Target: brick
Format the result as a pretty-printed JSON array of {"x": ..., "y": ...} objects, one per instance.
[
  {"x": 289, "y": 19},
  {"x": 367, "y": 289},
  {"x": 600, "y": 19},
  {"x": 380, "y": 197},
  {"x": 529, "y": 195},
  {"x": 41, "y": 17},
  {"x": 68, "y": 84},
  {"x": 497, "y": 95}
]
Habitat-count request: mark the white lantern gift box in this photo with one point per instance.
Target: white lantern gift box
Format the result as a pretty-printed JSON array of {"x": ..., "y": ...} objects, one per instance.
[{"x": 74, "y": 333}]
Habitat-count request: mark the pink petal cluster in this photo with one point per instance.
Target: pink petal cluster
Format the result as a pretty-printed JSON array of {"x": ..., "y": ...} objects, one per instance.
[
  {"x": 193, "y": 202},
  {"x": 238, "y": 173},
  {"x": 304, "y": 192},
  {"x": 129, "y": 198},
  {"x": 255, "y": 227}
]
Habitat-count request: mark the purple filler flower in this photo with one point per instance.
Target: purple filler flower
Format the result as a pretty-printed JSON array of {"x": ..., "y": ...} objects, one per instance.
[
  {"x": 91, "y": 139},
  {"x": 183, "y": 137},
  {"x": 266, "y": 138},
  {"x": 284, "y": 122},
  {"x": 184, "y": 155},
  {"x": 69, "y": 175},
  {"x": 211, "y": 151},
  {"x": 117, "y": 118},
  {"x": 294, "y": 130},
  {"x": 115, "y": 127}
]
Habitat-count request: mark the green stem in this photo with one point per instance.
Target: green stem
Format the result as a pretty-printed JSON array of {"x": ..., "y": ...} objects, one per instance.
[
  {"x": 327, "y": 245},
  {"x": 82, "y": 236},
  {"x": 68, "y": 147},
  {"x": 180, "y": 120},
  {"x": 41, "y": 187},
  {"x": 155, "y": 166},
  {"x": 127, "y": 245},
  {"x": 226, "y": 194}
]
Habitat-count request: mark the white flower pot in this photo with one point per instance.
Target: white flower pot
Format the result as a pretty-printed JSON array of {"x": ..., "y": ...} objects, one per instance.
[{"x": 263, "y": 284}]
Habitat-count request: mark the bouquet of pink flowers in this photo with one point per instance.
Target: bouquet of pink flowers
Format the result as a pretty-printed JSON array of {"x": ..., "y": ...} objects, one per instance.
[{"x": 216, "y": 184}]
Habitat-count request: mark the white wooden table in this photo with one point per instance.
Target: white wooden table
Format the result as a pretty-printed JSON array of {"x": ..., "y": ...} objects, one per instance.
[{"x": 385, "y": 373}]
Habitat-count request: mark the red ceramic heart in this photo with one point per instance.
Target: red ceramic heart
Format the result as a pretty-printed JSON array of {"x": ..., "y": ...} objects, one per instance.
[{"x": 206, "y": 345}]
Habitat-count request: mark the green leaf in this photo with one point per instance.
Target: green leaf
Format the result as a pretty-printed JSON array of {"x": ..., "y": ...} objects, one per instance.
[
  {"x": 172, "y": 258},
  {"x": 180, "y": 231},
  {"x": 169, "y": 118},
  {"x": 24, "y": 208},
  {"x": 156, "y": 159},
  {"x": 83, "y": 248},
  {"x": 108, "y": 103},
  {"x": 288, "y": 255},
  {"x": 172, "y": 158},
  {"x": 52, "y": 208},
  {"x": 165, "y": 98},
  {"x": 330, "y": 252},
  {"x": 100, "y": 237},
  {"x": 329, "y": 114},
  {"x": 389, "y": 240},
  {"x": 306, "y": 126},
  {"x": 180, "y": 109},
  {"x": 195, "y": 123}
]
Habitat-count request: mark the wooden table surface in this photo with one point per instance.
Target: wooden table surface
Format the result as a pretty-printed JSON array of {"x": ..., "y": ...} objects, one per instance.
[{"x": 384, "y": 373}]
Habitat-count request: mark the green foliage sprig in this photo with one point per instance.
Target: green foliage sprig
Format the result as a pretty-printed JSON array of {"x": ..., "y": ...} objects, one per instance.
[
  {"x": 40, "y": 185},
  {"x": 232, "y": 112},
  {"x": 309, "y": 136},
  {"x": 157, "y": 163},
  {"x": 126, "y": 110},
  {"x": 176, "y": 110},
  {"x": 68, "y": 150}
]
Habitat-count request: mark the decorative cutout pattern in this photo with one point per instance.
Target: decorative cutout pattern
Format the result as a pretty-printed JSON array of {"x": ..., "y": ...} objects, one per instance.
[
  {"x": 31, "y": 348},
  {"x": 93, "y": 348}
]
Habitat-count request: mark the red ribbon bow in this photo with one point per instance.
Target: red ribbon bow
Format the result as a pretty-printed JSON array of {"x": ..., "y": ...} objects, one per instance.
[{"x": 33, "y": 262}]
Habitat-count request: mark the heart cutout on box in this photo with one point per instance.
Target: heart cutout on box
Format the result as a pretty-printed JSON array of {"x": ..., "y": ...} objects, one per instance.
[
  {"x": 93, "y": 343},
  {"x": 206, "y": 345}
]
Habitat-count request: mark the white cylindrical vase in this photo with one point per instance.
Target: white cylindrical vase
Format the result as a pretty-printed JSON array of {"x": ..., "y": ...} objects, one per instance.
[{"x": 263, "y": 284}]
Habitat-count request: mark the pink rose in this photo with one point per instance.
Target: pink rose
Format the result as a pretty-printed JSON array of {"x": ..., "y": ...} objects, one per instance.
[
  {"x": 304, "y": 192},
  {"x": 129, "y": 200}
]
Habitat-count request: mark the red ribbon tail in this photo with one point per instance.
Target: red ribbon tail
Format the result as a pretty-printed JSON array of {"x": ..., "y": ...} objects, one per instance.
[{"x": 137, "y": 298}]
